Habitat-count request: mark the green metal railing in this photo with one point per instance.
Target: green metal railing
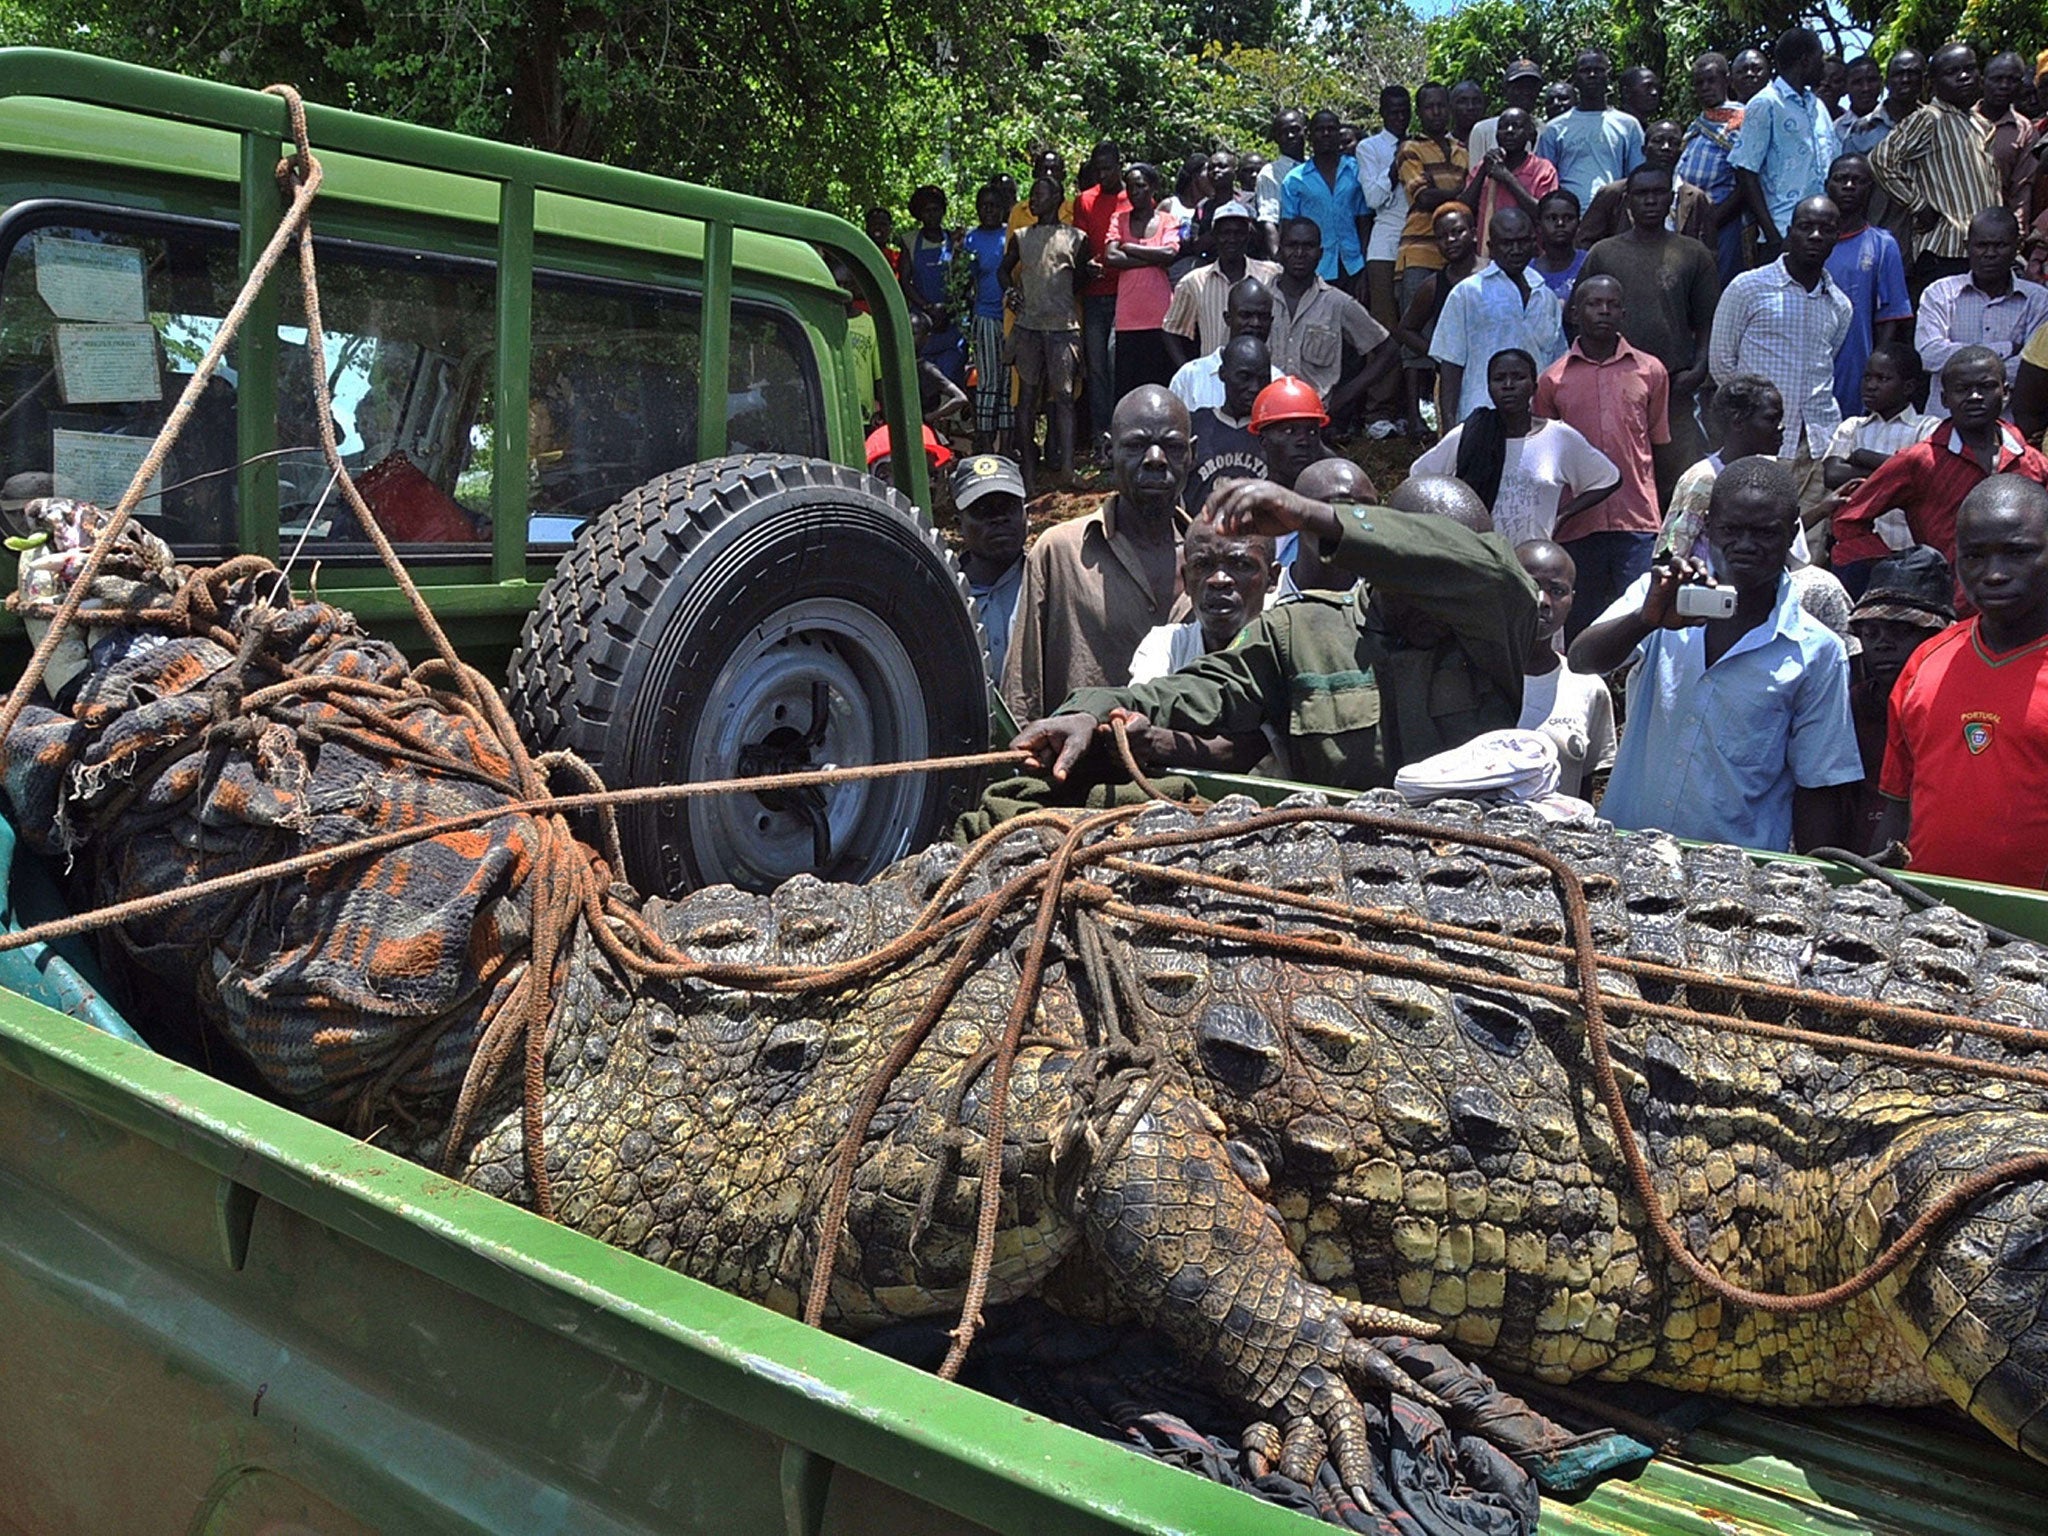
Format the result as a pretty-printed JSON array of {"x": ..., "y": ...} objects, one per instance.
[{"x": 518, "y": 175}]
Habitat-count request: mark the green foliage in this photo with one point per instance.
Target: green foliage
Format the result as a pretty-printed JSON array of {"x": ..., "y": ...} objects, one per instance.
[
  {"x": 840, "y": 103},
  {"x": 1479, "y": 41},
  {"x": 831, "y": 102},
  {"x": 1992, "y": 25}
]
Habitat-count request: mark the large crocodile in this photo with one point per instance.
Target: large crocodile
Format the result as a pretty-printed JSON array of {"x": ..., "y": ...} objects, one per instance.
[
  {"x": 1313, "y": 1141},
  {"x": 1327, "y": 1133}
]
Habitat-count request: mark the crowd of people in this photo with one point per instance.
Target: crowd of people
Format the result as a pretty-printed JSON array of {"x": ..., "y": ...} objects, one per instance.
[{"x": 1746, "y": 410}]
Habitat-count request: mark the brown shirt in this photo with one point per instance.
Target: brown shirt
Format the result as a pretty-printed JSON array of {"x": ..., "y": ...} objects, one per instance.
[
  {"x": 2011, "y": 137},
  {"x": 1669, "y": 289},
  {"x": 1692, "y": 214},
  {"x": 1085, "y": 605}
]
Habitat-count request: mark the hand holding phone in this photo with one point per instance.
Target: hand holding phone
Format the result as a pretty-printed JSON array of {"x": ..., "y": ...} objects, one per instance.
[
  {"x": 1698, "y": 602},
  {"x": 1677, "y": 582}
]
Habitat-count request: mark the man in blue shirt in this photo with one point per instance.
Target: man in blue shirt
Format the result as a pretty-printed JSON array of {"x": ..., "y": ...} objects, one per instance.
[
  {"x": 1704, "y": 159},
  {"x": 1592, "y": 144},
  {"x": 1866, "y": 265},
  {"x": 1738, "y": 729},
  {"x": 1787, "y": 141},
  {"x": 1325, "y": 188}
]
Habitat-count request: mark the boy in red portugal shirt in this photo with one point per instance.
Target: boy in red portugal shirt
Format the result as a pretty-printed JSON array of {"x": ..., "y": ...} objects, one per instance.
[{"x": 1966, "y": 771}]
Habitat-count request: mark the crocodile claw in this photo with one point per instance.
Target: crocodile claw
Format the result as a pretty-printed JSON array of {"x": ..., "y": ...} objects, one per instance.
[
  {"x": 1302, "y": 1449},
  {"x": 1364, "y": 1318},
  {"x": 1363, "y": 1359},
  {"x": 1262, "y": 1444}
]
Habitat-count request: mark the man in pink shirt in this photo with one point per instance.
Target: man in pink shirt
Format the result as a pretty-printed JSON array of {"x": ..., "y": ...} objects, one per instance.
[
  {"x": 1511, "y": 174},
  {"x": 1619, "y": 400}
]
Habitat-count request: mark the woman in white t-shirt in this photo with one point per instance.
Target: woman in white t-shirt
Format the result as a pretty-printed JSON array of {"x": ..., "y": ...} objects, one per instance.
[{"x": 1532, "y": 472}]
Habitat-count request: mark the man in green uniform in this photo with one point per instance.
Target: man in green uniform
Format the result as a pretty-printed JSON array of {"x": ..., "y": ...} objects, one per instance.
[{"x": 1351, "y": 685}]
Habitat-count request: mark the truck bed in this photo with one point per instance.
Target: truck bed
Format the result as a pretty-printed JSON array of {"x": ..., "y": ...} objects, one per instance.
[{"x": 223, "y": 1317}]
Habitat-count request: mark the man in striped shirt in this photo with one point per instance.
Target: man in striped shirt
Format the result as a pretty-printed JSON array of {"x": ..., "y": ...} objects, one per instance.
[
  {"x": 1196, "y": 322},
  {"x": 1938, "y": 163},
  {"x": 1786, "y": 322}
]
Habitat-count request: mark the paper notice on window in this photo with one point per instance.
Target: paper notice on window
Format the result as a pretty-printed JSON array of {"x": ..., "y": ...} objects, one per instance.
[
  {"x": 84, "y": 280},
  {"x": 101, "y": 363},
  {"x": 91, "y": 466}
]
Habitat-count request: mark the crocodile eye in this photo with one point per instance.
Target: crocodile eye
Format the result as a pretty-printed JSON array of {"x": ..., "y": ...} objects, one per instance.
[
  {"x": 793, "y": 1046},
  {"x": 1239, "y": 1047}
]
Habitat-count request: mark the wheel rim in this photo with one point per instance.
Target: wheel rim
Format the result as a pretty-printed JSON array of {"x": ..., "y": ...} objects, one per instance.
[{"x": 760, "y": 717}]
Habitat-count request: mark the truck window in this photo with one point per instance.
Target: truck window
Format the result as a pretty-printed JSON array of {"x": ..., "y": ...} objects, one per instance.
[
  {"x": 101, "y": 328},
  {"x": 410, "y": 343},
  {"x": 614, "y": 394},
  {"x": 102, "y": 324},
  {"x": 103, "y": 319}
]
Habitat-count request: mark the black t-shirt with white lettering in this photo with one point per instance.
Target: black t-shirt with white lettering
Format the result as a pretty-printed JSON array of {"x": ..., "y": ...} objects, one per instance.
[{"x": 1224, "y": 450}]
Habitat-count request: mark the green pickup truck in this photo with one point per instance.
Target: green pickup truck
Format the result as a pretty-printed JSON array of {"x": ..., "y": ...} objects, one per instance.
[{"x": 219, "y": 1317}]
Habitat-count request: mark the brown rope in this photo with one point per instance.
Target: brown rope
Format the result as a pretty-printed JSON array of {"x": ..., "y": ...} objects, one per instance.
[
  {"x": 998, "y": 1102},
  {"x": 1593, "y": 1005},
  {"x": 832, "y": 1215},
  {"x": 1121, "y": 731},
  {"x": 381, "y": 842},
  {"x": 1866, "y": 1009}
]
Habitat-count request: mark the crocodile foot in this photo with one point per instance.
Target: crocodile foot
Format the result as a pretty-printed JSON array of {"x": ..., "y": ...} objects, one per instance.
[
  {"x": 1329, "y": 1422},
  {"x": 1195, "y": 1251}
]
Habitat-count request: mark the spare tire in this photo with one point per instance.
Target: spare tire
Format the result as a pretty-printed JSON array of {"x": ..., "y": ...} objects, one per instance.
[{"x": 755, "y": 615}]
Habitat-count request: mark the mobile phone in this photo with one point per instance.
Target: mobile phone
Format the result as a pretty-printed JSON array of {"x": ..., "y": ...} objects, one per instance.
[{"x": 1697, "y": 602}]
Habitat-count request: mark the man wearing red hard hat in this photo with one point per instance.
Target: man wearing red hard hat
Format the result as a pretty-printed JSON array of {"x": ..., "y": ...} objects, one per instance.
[
  {"x": 936, "y": 454},
  {"x": 1288, "y": 419}
]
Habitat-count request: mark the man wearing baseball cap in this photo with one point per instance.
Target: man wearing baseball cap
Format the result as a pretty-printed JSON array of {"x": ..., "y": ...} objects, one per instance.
[
  {"x": 1195, "y": 323},
  {"x": 988, "y": 493},
  {"x": 1523, "y": 87},
  {"x": 1906, "y": 603}
]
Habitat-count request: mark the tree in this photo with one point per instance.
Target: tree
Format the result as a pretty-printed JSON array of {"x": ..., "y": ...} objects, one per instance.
[
  {"x": 834, "y": 102},
  {"x": 1479, "y": 41},
  {"x": 1992, "y": 25}
]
